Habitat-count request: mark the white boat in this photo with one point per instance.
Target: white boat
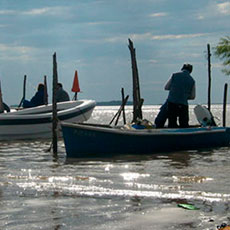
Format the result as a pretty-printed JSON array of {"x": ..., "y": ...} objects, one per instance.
[{"x": 36, "y": 122}]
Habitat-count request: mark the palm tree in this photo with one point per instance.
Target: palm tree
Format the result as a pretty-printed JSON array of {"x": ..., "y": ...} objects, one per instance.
[{"x": 222, "y": 51}]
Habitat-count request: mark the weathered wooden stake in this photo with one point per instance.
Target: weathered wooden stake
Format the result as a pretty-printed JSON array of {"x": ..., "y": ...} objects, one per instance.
[
  {"x": 123, "y": 99},
  {"x": 1, "y": 101},
  {"x": 45, "y": 91},
  {"x": 209, "y": 78},
  {"x": 121, "y": 109},
  {"x": 24, "y": 92},
  {"x": 224, "y": 104},
  {"x": 118, "y": 113},
  {"x": 137, "y": 101},
  {"x": 55, "y": 120}
]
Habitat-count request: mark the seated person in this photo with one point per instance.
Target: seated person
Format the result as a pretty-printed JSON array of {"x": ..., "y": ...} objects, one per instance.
[
  {"x": 62, "y": 95},
  {"x": 37, "y": 99}
]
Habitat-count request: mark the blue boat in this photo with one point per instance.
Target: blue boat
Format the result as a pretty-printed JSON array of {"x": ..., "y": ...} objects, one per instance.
[{"x": 85, "y": 140}]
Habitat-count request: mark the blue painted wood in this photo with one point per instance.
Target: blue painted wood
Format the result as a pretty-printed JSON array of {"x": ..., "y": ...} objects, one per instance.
[{"x": 89, "y": 141}]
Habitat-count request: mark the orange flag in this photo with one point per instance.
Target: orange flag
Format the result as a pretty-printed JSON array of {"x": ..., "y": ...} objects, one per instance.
[{"x": 76, "y": 87}]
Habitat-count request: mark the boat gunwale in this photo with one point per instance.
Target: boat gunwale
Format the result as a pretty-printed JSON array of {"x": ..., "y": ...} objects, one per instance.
[
  {"x": 61, "y": 112},
  {"x": 149, "y": 132}
]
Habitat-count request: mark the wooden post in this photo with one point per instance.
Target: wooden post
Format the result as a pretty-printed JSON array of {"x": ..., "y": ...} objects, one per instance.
[
  {"x": 55, "y": 120},
  {"x": 209, "y": 78},
  {"x": 137, "y": 101},
  {"x": 123, "y": 99},
  {"x": 45, "y": 91},
  {"x": 224, "y": 104},
  {"x": 75, "y": 96},
  {"x": 118, "y": 113},
  {"x": 121, "y": 109},
  {"x": 1, "y": 101},
  {"x": 24, "y": 92}
]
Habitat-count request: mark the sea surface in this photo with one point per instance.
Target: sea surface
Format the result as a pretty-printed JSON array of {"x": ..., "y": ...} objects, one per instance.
[{"x": 39, "y": 190}]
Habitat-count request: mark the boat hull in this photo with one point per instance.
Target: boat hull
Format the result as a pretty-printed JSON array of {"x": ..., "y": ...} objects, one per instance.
[
  {"x": 89, "y": 141},
  {"x": 36, "y": 123}
]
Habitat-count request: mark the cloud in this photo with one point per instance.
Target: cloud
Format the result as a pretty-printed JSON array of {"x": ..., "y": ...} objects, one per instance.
[
  {"x": 40, "y": 11},
  {"x": 214, "y": 10},
  {"x": 20, "y": 49},
  {"x": 224, "y": 8},
  {"x": 152, "y": 61},
  {"x": 7, "y": 12},
  {"x": 149, "y": 36},
  {"x": 58, "y": 10},
  {"x": 13, "y": 52},
  {"x": 97, "y": 23},
  {"x": 159, "y": 14},
  {"x": 176, "y": 36},
  {"x": 217, "y": 65}
]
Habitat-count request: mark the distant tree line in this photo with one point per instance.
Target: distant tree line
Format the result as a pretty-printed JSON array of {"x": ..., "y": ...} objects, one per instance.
[{"x": 102, "y": 103}]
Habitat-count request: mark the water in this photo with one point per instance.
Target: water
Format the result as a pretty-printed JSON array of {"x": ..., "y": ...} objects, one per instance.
[{"x": 42, "y": 191}]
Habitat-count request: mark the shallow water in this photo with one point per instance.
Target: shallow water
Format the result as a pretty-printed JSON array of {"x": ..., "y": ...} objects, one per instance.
[{"x": 39, "y": 190}]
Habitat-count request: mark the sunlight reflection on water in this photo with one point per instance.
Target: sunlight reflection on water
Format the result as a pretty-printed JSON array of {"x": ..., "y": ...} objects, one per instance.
[{"x": 41, "y": 191}]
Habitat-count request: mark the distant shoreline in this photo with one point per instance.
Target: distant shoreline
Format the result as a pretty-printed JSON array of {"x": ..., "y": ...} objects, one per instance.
[
  {"x": 110, "y": 103},
  {"x": 118, "y": 103}
]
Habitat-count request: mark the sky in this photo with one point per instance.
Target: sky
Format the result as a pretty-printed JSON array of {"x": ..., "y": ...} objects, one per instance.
[{"x": 91, "y": 36}]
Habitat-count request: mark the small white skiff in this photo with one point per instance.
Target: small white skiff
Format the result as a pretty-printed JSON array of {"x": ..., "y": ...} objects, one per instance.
[{"x": 36, "y": 122}]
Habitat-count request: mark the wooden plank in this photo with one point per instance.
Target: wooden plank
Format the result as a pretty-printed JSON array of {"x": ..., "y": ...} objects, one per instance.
[
  {"x": 137, "y": 101},
  {"x": 123, "y": 110},
  {"x": 209, "y": 78},
  {"x": 117, "y": 115},
  {"x": 45, "y": 91},
  {"x": 1, "y": 101},
  {"x": 55, "y": 120},
  {"x": 24, "y": 92},
  {"x": 224, "y": 104}
]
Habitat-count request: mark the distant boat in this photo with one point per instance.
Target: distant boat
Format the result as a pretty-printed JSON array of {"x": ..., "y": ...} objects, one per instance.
[
  {"x": 36, "y": 122},
  {"x": 84, "y": 140}
]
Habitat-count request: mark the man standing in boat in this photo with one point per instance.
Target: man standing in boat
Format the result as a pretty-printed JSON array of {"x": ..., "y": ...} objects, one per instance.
[{"x": 181, "y": 88}]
